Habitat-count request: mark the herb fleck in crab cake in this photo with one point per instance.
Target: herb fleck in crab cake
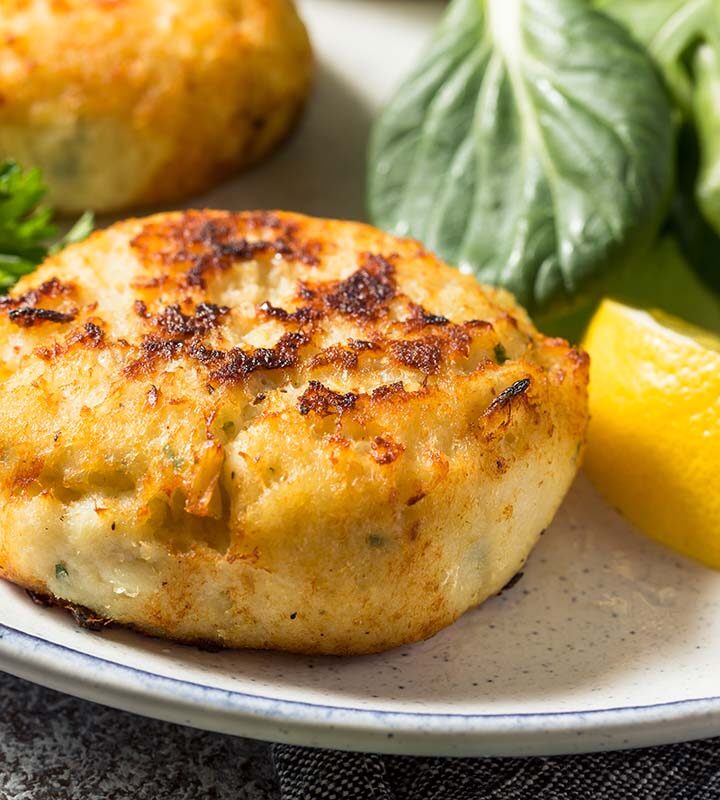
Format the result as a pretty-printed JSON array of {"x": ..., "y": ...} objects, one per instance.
[{"x": 267, "y": 430}]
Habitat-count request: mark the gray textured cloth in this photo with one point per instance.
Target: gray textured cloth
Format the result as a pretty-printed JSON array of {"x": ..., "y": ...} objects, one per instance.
[
  {"x": 680, "y": 772},
  {"x": 54, "y": 747}
]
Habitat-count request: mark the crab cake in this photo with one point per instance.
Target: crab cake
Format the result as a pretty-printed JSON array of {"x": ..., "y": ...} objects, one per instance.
[
  {"x": 266, "y": 430},
  {"x": 128, "y": 102}
]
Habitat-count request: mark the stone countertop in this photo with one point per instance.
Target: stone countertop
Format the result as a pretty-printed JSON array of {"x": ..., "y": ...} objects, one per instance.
[{"x": 54, "y": 747}]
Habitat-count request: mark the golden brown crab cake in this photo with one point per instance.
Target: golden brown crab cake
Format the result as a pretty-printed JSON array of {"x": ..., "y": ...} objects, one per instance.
[
  {"x": 128, "y": 102},
  {"x": 267, "y": 430}
]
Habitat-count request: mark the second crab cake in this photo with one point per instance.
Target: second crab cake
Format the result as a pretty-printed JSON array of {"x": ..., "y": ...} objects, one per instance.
[
  {"x": 123, "y": 103},
  {"x": 266, "y": 430}
]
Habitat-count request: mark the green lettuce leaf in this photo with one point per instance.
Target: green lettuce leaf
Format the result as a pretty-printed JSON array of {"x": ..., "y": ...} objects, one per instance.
[
  {"x": 671, "y": 30},
  {"x": 532, "y": 146},
  {"x": 683, "y": 36},
  {"x": 659, "y": 279}
]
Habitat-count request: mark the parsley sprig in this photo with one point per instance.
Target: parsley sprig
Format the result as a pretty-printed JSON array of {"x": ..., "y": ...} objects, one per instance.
[{"x": 27, "y": 231}]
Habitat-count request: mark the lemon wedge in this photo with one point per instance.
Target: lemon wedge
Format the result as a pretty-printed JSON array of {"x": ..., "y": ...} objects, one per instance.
[{"x": 654, "y": 438}]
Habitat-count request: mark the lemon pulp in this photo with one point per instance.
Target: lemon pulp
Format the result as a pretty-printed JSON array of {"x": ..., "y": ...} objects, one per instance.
[{"x": 654, "y": 437}]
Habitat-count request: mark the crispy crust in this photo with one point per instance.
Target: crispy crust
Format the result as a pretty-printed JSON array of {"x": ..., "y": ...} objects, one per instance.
[{"x": 266, "y": 430}]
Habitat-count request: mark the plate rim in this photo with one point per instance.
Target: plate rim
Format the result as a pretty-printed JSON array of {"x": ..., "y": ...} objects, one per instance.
[{"x": 240, "y": 713}]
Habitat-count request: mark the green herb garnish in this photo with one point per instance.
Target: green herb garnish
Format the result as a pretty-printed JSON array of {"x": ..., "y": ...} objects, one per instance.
[
  {"x": 27, "y": 231},
  {"x": 61, "y": 571}
]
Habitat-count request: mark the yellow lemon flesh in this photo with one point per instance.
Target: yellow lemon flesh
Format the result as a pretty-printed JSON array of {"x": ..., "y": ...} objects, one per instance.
[{"x": 654, "y": 438}]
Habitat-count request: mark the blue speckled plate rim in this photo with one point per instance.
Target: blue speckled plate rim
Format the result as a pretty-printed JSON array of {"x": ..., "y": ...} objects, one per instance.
[{"x": 640, "y": 725}]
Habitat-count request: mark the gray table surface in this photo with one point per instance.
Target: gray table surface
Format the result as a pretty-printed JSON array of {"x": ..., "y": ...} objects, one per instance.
[{"x": 54, "y": 747}]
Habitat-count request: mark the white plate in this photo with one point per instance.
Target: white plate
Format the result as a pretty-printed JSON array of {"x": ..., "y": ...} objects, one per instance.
[{"x": 607, "y": 641}]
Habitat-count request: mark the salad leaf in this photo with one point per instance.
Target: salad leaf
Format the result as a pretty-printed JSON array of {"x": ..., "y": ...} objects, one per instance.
[
  {"x": 532, "y": 146},
  {"x": 658, "y": 279},
  {"x": 683, "y": 36},
  {"x": 26, "y": 228},
  {"x": 706, "y": 116},
  {"x": 671, "y": 31},
  {"x": 697, "y": 239}
]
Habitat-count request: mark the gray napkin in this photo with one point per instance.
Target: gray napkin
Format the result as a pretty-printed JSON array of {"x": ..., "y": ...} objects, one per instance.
[{"x": 677, "y": 772}]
